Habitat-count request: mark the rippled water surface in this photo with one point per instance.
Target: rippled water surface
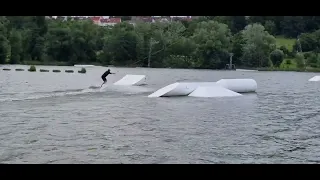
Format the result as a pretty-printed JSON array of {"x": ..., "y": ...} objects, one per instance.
[{"x": 60, "y": 118}]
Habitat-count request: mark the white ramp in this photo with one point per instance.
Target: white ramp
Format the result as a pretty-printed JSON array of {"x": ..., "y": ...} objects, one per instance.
[
  {"x": 130, "y": 80},
  {"x": 239, "y": 85},
  {"x": 315, "y": 78},
  {"x": 179, "y": 89},
  {"x": 213, "y": 91}
]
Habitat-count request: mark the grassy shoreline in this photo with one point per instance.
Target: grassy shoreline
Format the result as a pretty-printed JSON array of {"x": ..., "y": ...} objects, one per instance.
[{"x": 311, "y": 70}]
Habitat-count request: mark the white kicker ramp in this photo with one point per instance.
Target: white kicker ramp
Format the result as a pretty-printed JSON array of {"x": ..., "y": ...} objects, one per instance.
[
  {"x": 130, "y": 80},
  {"x": 179, "y": 89},
  {"x": 213, "y": 91},
  {"x": 315, "y": 78},
  {"x": 239, "y": 85},
  {"x": 221, "y": 88}
]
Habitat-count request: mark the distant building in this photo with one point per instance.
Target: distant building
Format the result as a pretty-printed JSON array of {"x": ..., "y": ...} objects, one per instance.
[
  {"x": 99, "y": 20},
  {"x": 162, "y": 18},
  {"x": 181, "y": 18},
  {"x": 81, "y": 18},
  {"x": 109, "y": 21},
  {"x": 142, "y": 19},
  {"x": 112, "y": 20},
  {"x": 195, "y": 17},
  {"x": 96, "y": 19}
]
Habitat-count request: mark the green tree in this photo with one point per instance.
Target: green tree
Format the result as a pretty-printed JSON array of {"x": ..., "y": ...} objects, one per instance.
[
  {"x": 144, "y": 33},
  {"x": 300, "y": 61},
  {"x": 4, "y": 44},
  {"x": 238, "y": 43},
  {"x": 59, "y": 44},
  {"x": 292, "y": 26},
  {"x": 284, "y": 50},
  {"x": 238, "y": 23},
  {"x": 181, "y": 54},
  {"x": 16, "y": 46},
  {"x": 235, "y": 23},
  {"x": 213, "y": 40},
  {"x": 257, "y": 19},
  {"x": 121, "y": 48},
  {"x": 258, "y": 45},
  {"x": 312, "y": 59},
  {"x": 276, "y": 57},
  {"x": 201, "y": 43},
  {"x": 270, "y": 27}
]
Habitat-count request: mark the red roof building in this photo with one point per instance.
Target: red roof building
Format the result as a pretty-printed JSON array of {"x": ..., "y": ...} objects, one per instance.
[
  {"x": 111, "y": 20},
  {"x": 96, "y": 19}
]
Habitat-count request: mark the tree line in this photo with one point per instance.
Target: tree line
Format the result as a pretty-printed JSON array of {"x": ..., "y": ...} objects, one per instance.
[{"x": 206, "y": 42}]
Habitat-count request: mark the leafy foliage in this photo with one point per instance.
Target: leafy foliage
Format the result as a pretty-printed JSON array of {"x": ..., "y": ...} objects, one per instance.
[
  {"x": 276, "y": 57},
  {"x": 205, "y": 42}
]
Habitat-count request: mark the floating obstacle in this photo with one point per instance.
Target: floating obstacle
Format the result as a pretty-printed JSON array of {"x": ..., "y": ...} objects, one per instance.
[
  {"x": 33, "y": 69},
  {"x": 131, "y": 80},
  {"x": 213, "y": 91},
  {"x": 315, "y": 79},
  {"x": 179, "y": 89},
  {"x": 239, "y": 85},
  {"x": 69, "y": 71},
  {"x": 221, "y": 88}
]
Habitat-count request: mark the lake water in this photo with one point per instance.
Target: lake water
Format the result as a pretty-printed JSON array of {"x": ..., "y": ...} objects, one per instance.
[{"x": 59, "y": 118}]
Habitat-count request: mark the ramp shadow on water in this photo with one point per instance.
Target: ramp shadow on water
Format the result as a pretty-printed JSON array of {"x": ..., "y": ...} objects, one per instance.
[{"x": 250, "y": 95}]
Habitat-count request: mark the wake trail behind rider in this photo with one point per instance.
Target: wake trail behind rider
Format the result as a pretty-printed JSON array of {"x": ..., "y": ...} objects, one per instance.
[{"x": 104, "y": 75}]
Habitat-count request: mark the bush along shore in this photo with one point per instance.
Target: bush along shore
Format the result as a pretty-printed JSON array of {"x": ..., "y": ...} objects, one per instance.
[
  {"x": 208, "y": 42},
  {"x": 34, "y": 69}
]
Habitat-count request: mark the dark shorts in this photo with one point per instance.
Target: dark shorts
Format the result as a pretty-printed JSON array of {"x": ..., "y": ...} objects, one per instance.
[{"x": 103, "y": 78}]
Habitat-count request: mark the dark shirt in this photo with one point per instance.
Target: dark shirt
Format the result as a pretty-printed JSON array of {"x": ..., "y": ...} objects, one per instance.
[{"x": 105, "y": 74}]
